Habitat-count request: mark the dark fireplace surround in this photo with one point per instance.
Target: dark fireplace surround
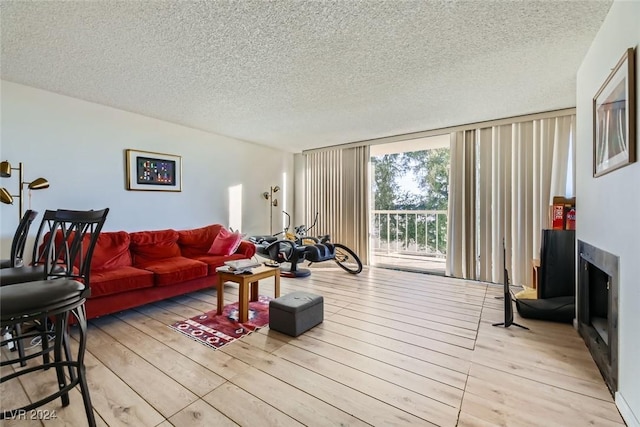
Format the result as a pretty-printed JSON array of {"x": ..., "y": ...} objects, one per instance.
[{"x": 598, "y": 308}]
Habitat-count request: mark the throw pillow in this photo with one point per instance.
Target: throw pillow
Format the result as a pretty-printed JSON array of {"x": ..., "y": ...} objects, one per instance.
[{"x": 225, "y": 243}]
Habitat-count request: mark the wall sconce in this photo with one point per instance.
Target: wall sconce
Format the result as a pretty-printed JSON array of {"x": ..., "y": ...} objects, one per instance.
[
  {"x": 268, "y": 195},
  {"x": 36, "y": 184}
]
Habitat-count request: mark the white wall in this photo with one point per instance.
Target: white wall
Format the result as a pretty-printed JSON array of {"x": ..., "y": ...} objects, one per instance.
[
  {"x": 609, "y": 206},
  {"x": 79, "y": 147}
]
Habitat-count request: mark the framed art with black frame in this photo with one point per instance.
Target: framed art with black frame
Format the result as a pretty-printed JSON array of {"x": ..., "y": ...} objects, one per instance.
[
  {"x": 614, "y": 118},
  {"x": 149, "y": 171}
]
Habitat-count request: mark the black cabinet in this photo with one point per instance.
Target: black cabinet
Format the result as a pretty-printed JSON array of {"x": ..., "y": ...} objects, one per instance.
[{"x": 557, "y": 274}]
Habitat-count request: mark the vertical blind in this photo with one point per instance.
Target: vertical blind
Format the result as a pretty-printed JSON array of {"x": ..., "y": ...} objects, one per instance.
[
  {"x": 518, "y": 169},
  {"x": 337, "y": 189}
]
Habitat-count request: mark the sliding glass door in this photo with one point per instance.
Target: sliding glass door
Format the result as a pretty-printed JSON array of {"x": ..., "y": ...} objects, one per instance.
[{"x": 409, "y": 197}]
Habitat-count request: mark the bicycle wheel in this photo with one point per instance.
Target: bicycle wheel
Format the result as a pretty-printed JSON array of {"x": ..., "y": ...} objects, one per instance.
[{"x": 347, "y": 259}]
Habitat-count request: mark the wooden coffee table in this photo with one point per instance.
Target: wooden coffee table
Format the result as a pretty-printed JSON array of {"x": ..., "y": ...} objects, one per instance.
[{"x": 244, "y": 280}]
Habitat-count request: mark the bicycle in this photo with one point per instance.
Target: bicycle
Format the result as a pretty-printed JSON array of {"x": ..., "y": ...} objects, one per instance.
[
  {"x": 346, "y": 258},
  {"x": 298, "y": 246}
]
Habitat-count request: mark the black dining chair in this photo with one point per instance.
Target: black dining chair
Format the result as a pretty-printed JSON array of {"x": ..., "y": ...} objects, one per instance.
[
  {"x": 28, "y": 273},
  {"x": 66, "y": 257},
  {"x": 19, "y": 241}
]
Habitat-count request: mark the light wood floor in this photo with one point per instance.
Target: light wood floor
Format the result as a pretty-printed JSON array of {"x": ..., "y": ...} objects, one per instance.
[
  {"x": 417, "y": 263},
  {"x": 395, "y": 348}
]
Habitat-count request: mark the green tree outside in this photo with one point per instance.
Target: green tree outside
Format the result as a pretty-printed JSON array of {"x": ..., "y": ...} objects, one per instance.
[{"x": 430, "y": 169}]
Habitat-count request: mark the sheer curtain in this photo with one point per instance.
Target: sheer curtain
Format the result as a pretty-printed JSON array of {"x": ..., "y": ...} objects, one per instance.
[
  {"x": 337, "y": 188},
  {"x": 519, "y": 168}
]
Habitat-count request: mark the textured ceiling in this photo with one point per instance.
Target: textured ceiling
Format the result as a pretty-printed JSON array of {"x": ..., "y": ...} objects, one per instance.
[{"x": 304, "y": 74}]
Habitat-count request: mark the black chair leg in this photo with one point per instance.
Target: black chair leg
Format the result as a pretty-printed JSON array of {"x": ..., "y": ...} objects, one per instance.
[
  {"x": 67, "y": 352},
  {"x": 81, "y": 318},
  {"x": 57, "y": 355},
  {"x": 67, "y": 348},
  {"x": 86, "y": 398},
  {"x": 17, "y": 330},
  {"x": 44, "y": 340}
]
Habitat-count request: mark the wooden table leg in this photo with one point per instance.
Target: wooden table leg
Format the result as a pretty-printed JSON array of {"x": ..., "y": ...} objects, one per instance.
[
  {"x": 277, "y": 283},
  {"x": 220, "y": 295},
  {"x": 254, "y": 291},
  {"x": 243, "y": 304}
]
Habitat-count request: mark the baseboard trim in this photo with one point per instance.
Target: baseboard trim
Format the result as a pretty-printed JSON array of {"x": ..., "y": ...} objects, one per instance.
[{"x": 626, "y": 411}]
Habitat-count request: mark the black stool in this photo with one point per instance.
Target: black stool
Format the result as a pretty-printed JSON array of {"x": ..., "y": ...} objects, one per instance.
[
  {"x": 67, "y": 262},
  {"x": 28, "y": 273}
]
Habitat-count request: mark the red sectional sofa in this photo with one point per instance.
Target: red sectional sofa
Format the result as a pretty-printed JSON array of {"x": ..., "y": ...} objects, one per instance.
[{"x": 132, "y": 269}]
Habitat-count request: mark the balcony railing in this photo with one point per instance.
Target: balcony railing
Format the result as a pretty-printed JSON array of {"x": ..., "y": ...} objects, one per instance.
[{"x": 410, "y": 232}]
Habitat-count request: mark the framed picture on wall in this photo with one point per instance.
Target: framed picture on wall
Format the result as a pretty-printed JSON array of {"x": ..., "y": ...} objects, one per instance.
[
  {"x": 614, "y": 118},
  {"x": 149, "y": 171}
]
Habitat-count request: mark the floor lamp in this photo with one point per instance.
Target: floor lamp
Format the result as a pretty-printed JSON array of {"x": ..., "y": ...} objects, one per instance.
[
  {"x": 7, "y": 197},
  {"x": 268, "y": 195}
]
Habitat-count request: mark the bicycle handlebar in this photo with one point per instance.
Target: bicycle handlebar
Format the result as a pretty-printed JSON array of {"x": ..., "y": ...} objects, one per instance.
[
  {"x": 315, "y": 220},
  {"x": 302, "y": 230},
  {"x": 288, "y": 221}
]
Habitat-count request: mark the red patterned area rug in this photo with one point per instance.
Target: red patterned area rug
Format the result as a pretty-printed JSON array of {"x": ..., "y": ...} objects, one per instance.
[{"x": 216, "y": 331}]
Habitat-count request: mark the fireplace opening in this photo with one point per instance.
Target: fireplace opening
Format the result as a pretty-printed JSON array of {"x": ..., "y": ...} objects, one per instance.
[
  {"x": 598, "y": 308},
  {"x": 599, "y": 301}
]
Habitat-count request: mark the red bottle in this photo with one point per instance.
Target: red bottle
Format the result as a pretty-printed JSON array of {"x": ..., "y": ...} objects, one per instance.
[
  {"x": 557, "y": 217},
  {"x": 571, "y": 219}
]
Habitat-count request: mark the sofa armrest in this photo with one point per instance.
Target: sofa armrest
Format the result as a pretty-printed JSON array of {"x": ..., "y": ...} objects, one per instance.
[{"x": 247, "y": 249}]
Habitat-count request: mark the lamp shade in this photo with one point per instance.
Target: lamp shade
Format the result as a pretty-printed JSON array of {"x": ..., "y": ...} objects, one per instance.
[
  {"x": 38, "y": 184},
  {"x": 5, "y": 169},
  {"x": 5, "y": 197}
]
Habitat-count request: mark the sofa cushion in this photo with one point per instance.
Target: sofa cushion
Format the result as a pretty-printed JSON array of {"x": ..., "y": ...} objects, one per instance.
[
  {"x": 197, "y": 241},
  {"x": 215, "y": 261},
  {"x": 148, "y": 246},
  {"x": 121, "y": 279},
  {"x": 111, "y": 251},
  {"x": 225, "y": 243},
  {"x": 174, "y": 270}
]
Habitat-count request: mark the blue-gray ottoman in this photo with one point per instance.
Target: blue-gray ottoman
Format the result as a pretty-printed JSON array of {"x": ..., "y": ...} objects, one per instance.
[{"x": 295, "y": 313}]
